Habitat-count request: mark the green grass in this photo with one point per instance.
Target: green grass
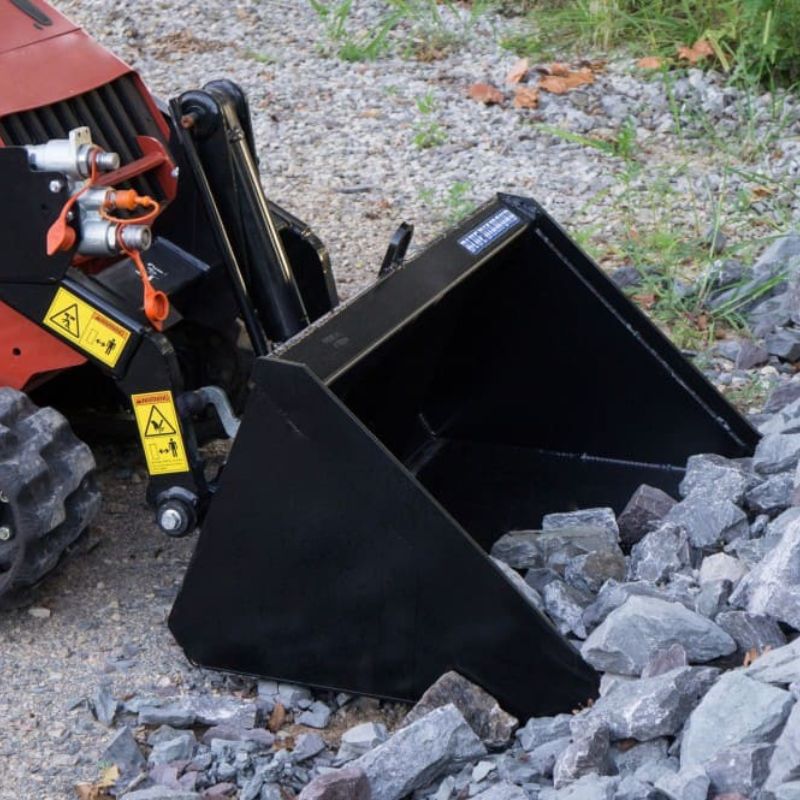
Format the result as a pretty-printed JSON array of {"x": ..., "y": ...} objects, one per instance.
[
  {"x": 755, "y": 40},
  {"x": 458, "y": 201},
  {"x": 428, "y": 132},
  {"x": 622, "y": 144},
  {"x": 350, "y": 46},
  {"x": 420, "y": 29}
]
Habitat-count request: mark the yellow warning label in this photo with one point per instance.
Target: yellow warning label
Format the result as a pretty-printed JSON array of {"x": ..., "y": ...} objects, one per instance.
[
  {"x": 86, "y": 327},
  {"x": 157, "y": 420}
]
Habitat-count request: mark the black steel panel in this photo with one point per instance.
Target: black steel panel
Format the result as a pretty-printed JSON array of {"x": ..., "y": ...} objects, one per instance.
[{"x": 330, "y": 565}]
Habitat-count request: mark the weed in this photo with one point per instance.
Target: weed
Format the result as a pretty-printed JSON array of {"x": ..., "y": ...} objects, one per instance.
[
  {"x": 427, "y": 130},
  {"x": 427, "y": 196},
  {"x": 458, "y": 201},
  {"x": 622, "y": 144},
  {"x": 352, "y": 47},
  {"x": 453, "y": 204},
  {"x": 261, "y": 58}
]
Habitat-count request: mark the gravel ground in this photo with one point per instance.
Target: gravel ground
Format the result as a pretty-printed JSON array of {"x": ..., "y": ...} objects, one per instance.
[{"x": 337, "y": 148}]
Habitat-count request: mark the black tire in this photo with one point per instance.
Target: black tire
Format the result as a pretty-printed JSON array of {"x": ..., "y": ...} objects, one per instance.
[{"x": 48, "y": 492}]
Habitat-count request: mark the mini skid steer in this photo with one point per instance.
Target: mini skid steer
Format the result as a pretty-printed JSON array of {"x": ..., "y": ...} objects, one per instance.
[{"x": 379, "y": 447}]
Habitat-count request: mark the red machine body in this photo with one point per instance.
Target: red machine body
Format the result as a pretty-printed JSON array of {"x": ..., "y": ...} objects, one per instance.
[{"x": 49, "y": 70}]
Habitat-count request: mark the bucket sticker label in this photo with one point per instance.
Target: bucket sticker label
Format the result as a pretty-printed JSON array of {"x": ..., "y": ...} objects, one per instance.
[
  {"x": 87, "y": 328},
  {"x": 489, "y": 231},
  {"x": 160, "y": 432}
]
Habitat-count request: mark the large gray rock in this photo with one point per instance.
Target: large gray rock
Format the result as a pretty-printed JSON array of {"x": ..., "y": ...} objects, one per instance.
[
  {"x": 709, "y": 521},
  {"x": 713, "y": 598},
  {"x": 418, "y": 754},
  {"x": 631, "y": 788},
  {"x": 629, "y": 758},
  {"x": 308, "y": 745},
  {"x": 123, "y": 750},
  {"x": 777, "y": 452},
  {"x": 588, "y": 573},
  {"x": 721, "y": 566},
  {"x": 784, "y": 766},
  {"x": 772, "y": 495},
  {"x": 643, "y": 513},
  {"x": 614, "y": 594},
  {"x": 666, "y": 659},
  {"x": 347, "y": 783},
  {"x": 565, "y": 606},
  {"x": 178, "y": 749},
  {"x": 502, "y": 791},
  {"x": 360, "y": 739},
  {"x": 482, "y": 712},
  {"x": 223, "y": 711},
  {"x": 590, "y": 787},
  {"x": 773, "y": 585},
  {"x": 660, "y": 554},
  {"x": 541, "y": 730},
  {"x": 737, "y": 710},
  {"x": 690, "y": 783},
  {"x": 177, "y": 715},
  {"x": 630, "y": 635},
  {"x": 779, "y": 667},
  {"x": 781, "y": 523},
  {"x": 519, "y": 549},
  {"x": 649, "y": 708},
  {"x": 588, "y": 754},
  {"x": 742, "y": 768},
  {"x": 788, "y": 791},
  {"x": 560, "y": 545},
  {"x": 751, "y": 631},
  {"x": 653, "y": 771},
  {"x": 715, "y": 478},
  {"x": 539, "y": 577},
  {"x": 542, "y": 759},
  {"x": 787, "y": 418},
  {"x": 783, "y": 396},
  {"x": 602, "y": 518},
  {"x": 318, "y": 715}
]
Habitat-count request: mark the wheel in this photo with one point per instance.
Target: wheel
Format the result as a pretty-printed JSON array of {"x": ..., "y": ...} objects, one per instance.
[{"x": 48, "y": 492}]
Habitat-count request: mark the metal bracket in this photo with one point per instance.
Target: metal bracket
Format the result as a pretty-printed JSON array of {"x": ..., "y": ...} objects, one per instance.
[{"x": 397, "y": 249}]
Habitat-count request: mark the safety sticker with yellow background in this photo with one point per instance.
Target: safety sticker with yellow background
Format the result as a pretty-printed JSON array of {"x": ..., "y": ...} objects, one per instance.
[
  {"x": 160, "y": 431},
  {"x": 86, "y": 327}
]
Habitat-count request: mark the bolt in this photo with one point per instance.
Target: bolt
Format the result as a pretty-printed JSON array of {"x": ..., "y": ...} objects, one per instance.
[
  {"x": 3, "y": 497},
  {"x": 5, "y": 533},
  {"x": 56, "y": 185},
  {"x": 170, "y": 519}
]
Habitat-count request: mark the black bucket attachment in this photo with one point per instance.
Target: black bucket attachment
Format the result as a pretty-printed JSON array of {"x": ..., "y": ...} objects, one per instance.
[{"x": 496, "y": 377}]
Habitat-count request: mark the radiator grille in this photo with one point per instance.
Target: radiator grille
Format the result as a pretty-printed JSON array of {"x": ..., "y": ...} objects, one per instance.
[{"x": 115, "y": 113}]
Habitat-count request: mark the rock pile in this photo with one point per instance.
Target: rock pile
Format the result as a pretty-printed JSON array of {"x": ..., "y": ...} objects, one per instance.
[{"x": 689, "y": 606}]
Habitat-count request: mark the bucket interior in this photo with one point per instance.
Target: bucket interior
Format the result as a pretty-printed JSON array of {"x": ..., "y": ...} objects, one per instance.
[{"x": 519, "y": 391}]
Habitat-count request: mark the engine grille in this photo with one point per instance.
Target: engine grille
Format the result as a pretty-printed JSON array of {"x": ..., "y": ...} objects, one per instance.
[{"x": 115, "y": 113}]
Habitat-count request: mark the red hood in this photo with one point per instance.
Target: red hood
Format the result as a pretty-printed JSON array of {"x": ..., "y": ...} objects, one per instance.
[{"x": 42, "y": 62}]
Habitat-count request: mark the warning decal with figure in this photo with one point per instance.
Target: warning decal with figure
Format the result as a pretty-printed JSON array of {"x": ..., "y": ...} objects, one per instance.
[
  {"x": 84, "y": 326},
  {"x": 157, "y": 420}
]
